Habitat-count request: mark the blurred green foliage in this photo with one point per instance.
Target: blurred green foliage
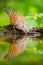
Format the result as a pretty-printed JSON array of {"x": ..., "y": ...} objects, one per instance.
[
  {"x": 34, "y": 53},
  {"x": 24, "y": 7},
  {"x": 22, "y": 4}
]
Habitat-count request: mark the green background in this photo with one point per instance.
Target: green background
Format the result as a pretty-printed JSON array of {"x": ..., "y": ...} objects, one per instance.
[{"x": 32, "y": 10}]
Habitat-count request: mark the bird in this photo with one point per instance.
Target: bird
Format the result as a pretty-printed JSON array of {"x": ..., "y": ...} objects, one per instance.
[
  {"x": 17, "y": 46},
  {"x": 20, "y": 24},
  {"x": 17, "y": 20}
]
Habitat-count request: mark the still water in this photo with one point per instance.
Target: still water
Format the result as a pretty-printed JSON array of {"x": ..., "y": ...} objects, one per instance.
[{"x": 22, "y": 50}]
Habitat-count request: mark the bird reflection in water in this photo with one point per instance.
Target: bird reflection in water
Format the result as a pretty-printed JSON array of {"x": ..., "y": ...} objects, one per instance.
[{"x": 17, "y": 46}]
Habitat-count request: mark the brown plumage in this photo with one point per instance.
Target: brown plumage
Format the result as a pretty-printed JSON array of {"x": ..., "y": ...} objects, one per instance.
[
  {"x": 17, "y": 46},
  {"x": 17, "y": 20}
]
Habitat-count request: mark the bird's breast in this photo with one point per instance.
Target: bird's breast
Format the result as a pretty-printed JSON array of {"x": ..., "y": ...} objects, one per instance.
[{"x": 12, "y": 19}]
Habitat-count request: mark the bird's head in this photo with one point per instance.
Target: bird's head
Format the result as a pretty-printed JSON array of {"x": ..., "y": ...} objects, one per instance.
[{"x": 8, "y": 11}]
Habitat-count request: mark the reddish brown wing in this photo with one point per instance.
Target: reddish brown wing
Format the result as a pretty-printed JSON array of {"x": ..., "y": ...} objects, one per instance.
[
  {"x": 17, "y": 19},
  {"x": 17, "y": 47}
]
